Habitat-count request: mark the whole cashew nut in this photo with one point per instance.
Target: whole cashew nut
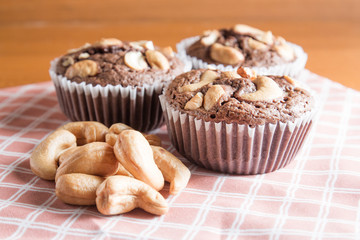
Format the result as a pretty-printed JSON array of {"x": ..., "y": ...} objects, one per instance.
[
  {"x": 120, "y": 194},
  {"x": 225, "y": 54},
  {"x": 95, "y": 158},
  {"x": 114, "y": 131},
  {"x": 44, "y": 159},
  {"x": 135, "y": 154},
  {"x": 117, "y": 128},
  {"x": 78, "y": 188},
  {"x": 172, "y": 168},
  {"x": 267, "y": 90},
  {"x": 87, "y": 131},
  {"x": 157, "y": 60}
]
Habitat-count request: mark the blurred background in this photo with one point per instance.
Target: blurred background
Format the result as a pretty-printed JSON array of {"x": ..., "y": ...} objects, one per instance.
[{"x": 34, "y": 32}]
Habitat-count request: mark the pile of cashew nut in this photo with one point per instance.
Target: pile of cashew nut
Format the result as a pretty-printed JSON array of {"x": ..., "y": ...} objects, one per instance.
[{"x": 116, "y": 168}]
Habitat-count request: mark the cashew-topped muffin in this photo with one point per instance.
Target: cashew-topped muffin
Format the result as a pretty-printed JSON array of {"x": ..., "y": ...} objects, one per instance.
[
  {"x": 115, "y": 81},
  {"x": 114, "y": 62},
  {"x": 246, "y": 46},
  {"x": 226, "y": 96},
  {"x": 237, "y": 122}
]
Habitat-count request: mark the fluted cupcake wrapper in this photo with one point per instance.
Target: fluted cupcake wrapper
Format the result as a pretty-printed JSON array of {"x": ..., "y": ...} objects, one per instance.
[
  {"x": 292, "y": 69},
  {"x": 236, "y": 148},
  {"x": 138, "y": 107}
]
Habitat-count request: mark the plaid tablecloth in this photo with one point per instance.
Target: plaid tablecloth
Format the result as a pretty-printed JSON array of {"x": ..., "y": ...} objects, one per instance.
[{"x": 317, "y": 196}]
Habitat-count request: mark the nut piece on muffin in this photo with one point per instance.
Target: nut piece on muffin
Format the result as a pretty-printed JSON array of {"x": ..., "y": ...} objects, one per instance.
[
  {"x": 237, "y": 122},
  {"x": 114, "y": 81},
  {"x": 243, "y": 45}
]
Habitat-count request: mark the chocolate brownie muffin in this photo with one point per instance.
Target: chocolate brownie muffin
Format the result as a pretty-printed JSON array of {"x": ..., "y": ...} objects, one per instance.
[
  {"x": 114, "y": 81},
  {"x": 237, "y": 122},
  {"x": 242, "y": 45}
]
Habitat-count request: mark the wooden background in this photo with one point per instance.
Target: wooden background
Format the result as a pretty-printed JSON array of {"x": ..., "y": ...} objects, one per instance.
[{"x": 33, "y": 32}]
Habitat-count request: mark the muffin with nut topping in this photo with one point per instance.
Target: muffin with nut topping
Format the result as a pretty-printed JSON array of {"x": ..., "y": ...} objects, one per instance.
[
  {"x": 237, "y": 122},
  {"x": 246, "y": 46},
  {"x": 114, "y": 81}
]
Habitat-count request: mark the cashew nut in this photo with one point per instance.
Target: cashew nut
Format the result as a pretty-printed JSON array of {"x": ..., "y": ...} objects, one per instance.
[
  {"x": 195, "y": 102},
  {"x": 78, "y": 188},
  {"x": 172, "y": 168},
  {"x": 247, "y": 30},
  {"x": 225, "y": 54},
  {"x": 142, "y": 44},
  {"x": 68, "y": 154},
  {"x": 207, "y": 77},
  {"x": 267, "y": 37},
  {"x": 84, "y": 55},
  {"x": 257, "y": 45},
  {"x": 95, "y": 158},
  {"x": 67, "y": 61},
  {"x": 135, "y": 154},
  {"x": 212, "y": 96},
  {"x": 246, "y": 72},
  {"x": 267, "y": 90},
  {"x": 117, "y": 128},
  {"x": 87, "y": 131},
  {"x": 157, "y": 60},
  {"x": 210, "y": 37},
  {"x": 82, "y": 68},
  {"x": 120, "y": 194},
  {"x": 105, "y": 42},
  {"x": 44, "y": 159},
  {"x": 167, "y": 51},
  {"x": 135, "y": 60},
  {"x": 114, "y": 131}
]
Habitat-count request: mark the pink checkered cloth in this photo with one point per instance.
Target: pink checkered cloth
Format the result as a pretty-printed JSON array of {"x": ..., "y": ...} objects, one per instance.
[{"x": 315, "y": 197}]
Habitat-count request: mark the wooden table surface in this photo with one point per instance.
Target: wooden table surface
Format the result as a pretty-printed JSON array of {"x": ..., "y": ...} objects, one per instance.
[{"x": 34, "y": 32}]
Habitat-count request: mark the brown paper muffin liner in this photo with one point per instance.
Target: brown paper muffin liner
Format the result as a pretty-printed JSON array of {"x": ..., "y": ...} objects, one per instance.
[
  {"x": 138, "y": 107},
  {"x": 292, "y": 69},
  {"x": 236, "y": 148}
]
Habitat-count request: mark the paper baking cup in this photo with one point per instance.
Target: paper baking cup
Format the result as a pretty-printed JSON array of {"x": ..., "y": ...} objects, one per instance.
[
  {"x": 235, "y": 148},
  {"x": 138, "y": 107},
  {"x": 292, "y": 69}
]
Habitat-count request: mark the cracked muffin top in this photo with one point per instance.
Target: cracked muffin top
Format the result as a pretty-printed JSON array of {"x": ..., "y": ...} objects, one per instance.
[
  {"x": 242, "y": 45},
  {"x": 238, "y": 97},
  {"x": 114, "y": 62}
]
